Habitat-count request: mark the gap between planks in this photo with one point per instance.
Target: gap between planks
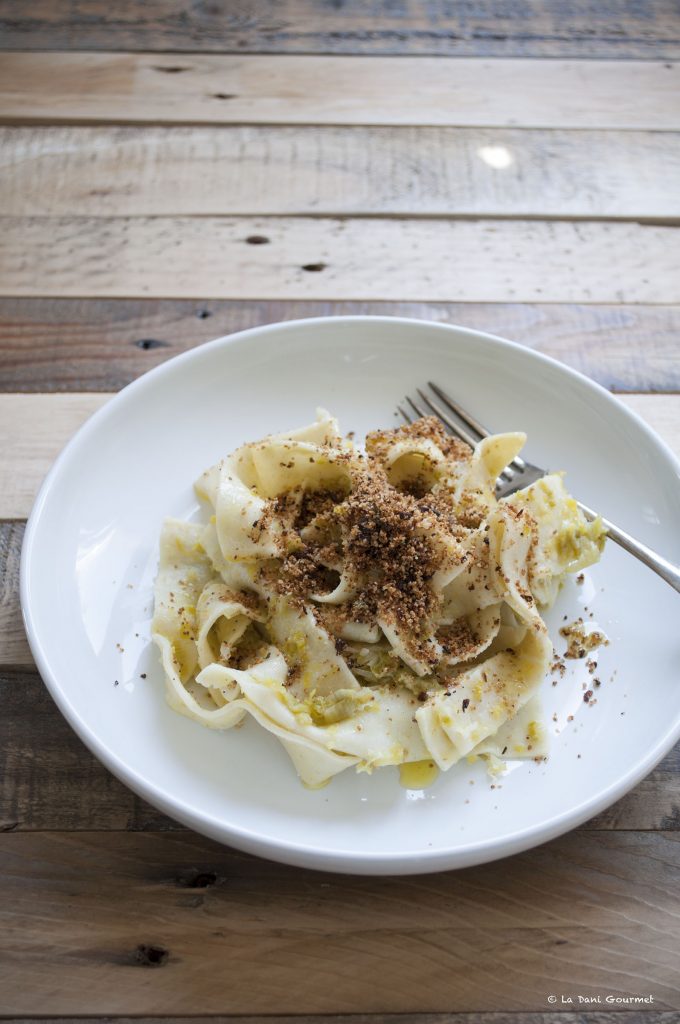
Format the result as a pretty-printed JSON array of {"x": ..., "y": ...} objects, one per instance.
[
  {"x": 354, "y": 259},
  {"x": 595, "y": 906},
  {"x": 109, "y": 87},
  {"x": 340, "y": 171}
]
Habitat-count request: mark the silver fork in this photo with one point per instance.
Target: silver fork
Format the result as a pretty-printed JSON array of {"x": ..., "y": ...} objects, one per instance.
[{"x": 520, "y": 473}]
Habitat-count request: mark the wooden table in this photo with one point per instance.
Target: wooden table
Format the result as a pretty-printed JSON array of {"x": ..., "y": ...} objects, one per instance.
[{"x": 172, "y": 172}]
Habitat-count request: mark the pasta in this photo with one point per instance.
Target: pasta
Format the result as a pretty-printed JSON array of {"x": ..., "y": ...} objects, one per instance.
[{"x": 368, "y": 607}]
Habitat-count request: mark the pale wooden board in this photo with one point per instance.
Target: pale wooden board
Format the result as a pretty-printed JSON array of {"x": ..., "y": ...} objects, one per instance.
[
  {"x": 590, "y": 913},
  {"x": 246, "y": 169},
  {"x": 124, "y": 87},
  {"x": 67, "y": 788},
  {"x": 309, "y": 258},
  {"x": 662, "y": 413},
  {"x": 33, "y": 435},
  {"x": 552, "y": 28}
]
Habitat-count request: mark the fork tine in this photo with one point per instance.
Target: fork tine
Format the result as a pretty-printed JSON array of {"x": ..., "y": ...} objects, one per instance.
[
  {"x": 447, "y": 421},
  {"x": 517, "y": 463},
  {"x": 506, "y": 474},
  {"x": 419, "y": 412},
  {"x": 465, "y": 417}
]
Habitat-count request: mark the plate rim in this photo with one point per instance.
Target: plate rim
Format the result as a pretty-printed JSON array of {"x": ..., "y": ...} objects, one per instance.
[{"x": 283, "y": 850}]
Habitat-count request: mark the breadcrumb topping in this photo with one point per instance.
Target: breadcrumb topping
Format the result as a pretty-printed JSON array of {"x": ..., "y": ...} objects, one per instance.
[{"x": 384, "y": 542}]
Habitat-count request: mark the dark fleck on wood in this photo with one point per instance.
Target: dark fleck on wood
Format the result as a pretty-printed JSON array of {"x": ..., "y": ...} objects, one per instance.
[
  {"x": 147, "y": 343},
  {"x": 198, "y": 879},
  {"x": 476, "y": 935},
  {"x": 150, "y": 956}
]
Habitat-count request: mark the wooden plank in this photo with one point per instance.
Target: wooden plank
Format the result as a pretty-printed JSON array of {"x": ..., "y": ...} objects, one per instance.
[
  {"x": 137, "y": 88},
  {"x": 33, "y": 435},
  {"x": 14, "y": 648},
  {"x": 416, "y": 260},
  {"x": 67, "y": 788},
  {"x": 87, "y": 914},
  {"x": 513, "y": 1017},
  {"x": 662, "y": 413},
  {"x": 172, "y": 171},
  {"x": 546, "y": 28},
  {"x": 36, "y": 427},
  {"x": 103, "y": 344}
]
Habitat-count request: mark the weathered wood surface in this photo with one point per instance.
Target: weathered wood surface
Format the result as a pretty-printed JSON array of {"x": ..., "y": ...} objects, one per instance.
[
  {"x": 49, "y": 780},
  {"x": 590, "y": 913},
  {"x": 32, "y": 438},
  {"x": 13, "y": 645},
  {"x": 108, "y": 907},
  {"x": 246, "y": 169},
  {"x": 513, "y": 1017},
  {"x": 36, "y": 427},
  {"x": 147, "y": 88},
  {"x": 309, "y": 258},
  {"x": 545, "y": 28},
  {"x": 102, "y": 344}
]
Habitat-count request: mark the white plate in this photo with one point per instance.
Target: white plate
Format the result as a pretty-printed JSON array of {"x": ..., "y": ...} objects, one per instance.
[{"x": 90, "y": 557}]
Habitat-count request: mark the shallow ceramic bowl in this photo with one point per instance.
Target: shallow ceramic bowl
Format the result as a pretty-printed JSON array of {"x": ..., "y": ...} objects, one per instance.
[{"x": 90, "y": 556}]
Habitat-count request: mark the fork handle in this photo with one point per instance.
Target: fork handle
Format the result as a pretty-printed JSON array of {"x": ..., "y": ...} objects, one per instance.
[{"x": 661, "y": 566}]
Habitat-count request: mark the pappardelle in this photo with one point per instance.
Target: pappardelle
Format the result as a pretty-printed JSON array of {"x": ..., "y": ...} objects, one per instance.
[{"x": 368, "y": 607}]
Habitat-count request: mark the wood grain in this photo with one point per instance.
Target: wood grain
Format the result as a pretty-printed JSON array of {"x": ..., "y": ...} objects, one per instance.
[
  {"x": 546, "y": 28},
  {"x": 103, "y": 344},
  {"x": 416, "y": 260},
  {"x": 14, "y": 648},
  {"x": 137, "y": 88},
  {"x": 591, "y": 913},
  {"x": 515, "y": 1017},
  {"x": 36, "y": 427},
  {"x": 245, "y": 169},
  {"x": 34, "y": 434},
  {"x": 50, "y": 780},
  {"x": 65, "y": 787},
  {"x": 119, "y": 911}
]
